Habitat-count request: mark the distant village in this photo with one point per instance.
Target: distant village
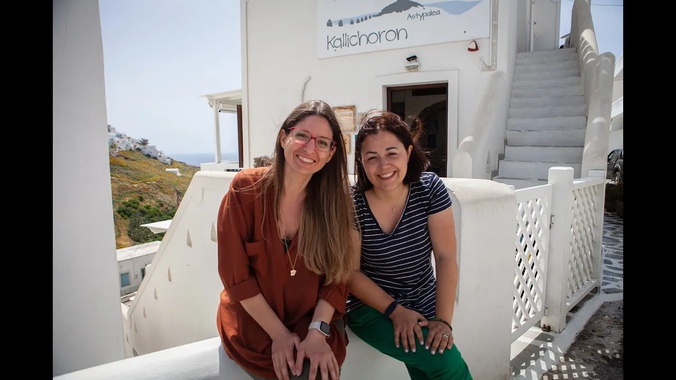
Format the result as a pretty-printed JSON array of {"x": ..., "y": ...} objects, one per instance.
[{"x": 118, "y": 141}]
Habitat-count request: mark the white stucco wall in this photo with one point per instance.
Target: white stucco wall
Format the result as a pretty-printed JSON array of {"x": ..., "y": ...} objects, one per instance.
[
  {"x": 281, "y": 69},
  {"x": 177, "y": 301},
  {"x": 86, "y": 320},
  {"x": 176, "y": 304}
]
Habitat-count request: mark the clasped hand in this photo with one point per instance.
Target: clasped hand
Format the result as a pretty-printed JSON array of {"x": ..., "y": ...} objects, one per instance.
[
  {"x": 408, "y": 329},
  {"x": 314, "y": 347}
]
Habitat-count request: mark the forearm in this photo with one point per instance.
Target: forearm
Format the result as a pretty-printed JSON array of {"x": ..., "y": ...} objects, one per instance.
[
  {"x": 259, "y": 309},
  {"x": 369, "y": 292},
  {"x": 447, "y": 285},
  {"x": 323, "y": 311}
]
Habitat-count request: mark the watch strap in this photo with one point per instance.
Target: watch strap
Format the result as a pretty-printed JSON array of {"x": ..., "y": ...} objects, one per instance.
[{"x": 322, "y": 326}]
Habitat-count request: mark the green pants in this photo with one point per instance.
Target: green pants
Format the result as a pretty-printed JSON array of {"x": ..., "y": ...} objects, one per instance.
[{"x": 377, "y": 331}]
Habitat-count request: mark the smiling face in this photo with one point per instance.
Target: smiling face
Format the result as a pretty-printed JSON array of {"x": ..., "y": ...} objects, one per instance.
[
  {"x": 305, "y": 158},
  {"x": 385, "y": 160}
]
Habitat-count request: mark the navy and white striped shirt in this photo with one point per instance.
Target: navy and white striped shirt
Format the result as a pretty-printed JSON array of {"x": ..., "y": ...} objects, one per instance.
[{"x": 401, "y": 262}]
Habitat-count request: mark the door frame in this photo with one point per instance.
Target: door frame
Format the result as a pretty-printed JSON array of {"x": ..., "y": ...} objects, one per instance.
[{"x": 451, "y": 78}]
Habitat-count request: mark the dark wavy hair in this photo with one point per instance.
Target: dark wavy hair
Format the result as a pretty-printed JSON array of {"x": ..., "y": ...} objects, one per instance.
[{"x": 375, "y": 121}]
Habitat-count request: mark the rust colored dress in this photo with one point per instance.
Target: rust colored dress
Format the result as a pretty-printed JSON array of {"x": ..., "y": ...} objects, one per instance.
[{"x": 251, "y": 260}]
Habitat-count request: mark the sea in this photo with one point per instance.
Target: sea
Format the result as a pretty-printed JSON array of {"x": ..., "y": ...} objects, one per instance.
[{"x": 195, "y": 159}]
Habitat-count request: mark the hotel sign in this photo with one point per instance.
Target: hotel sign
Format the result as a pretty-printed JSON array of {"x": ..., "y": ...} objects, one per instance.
[{"x": 361, "y": 26}]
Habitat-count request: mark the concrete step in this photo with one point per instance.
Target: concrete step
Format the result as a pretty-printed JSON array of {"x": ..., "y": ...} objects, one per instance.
[
  {"x": 554, "y": 55},
  {"x": 547, "y": 123},
  {"x": 546, "y": 101},
  {"x": 537, "y": 74},
  {"x": 533, "y": 170},
  {"x": 552, "y": 91},
  {"x": 546, "y": 83},
  {"x": 547, "y": 119},
  {"x": 547, "y": 66},
  {"x": 544, "y": 154},
  {"x": 548, "y": 111},
  {"x": 520, "y": 183},
  {"x": 549, "y": 138}
]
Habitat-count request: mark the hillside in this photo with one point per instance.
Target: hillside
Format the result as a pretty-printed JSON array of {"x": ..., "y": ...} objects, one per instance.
[{"x": 144, "y": 192}]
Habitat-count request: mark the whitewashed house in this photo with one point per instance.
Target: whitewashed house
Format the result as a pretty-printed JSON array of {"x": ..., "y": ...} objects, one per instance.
[
  {"x": 506, "y": 107},
  {"x": 149, "y": 150},
  {"x": 133, "y": 263},
  {"x": 163, "y": 158},
  {"x": 499, "y": 99}
]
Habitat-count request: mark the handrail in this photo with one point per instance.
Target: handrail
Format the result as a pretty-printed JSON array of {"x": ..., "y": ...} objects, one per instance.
[{"x": 597, "y": 72}]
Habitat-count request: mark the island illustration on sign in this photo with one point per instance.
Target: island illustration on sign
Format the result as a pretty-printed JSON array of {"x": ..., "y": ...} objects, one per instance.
[{"x": 454, "y": 7}]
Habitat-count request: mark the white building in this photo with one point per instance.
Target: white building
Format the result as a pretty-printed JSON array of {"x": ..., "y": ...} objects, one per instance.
[
  {"x": 175, "y": 304},
  {"x": 133, "y": 263},
  {"x": 498, "y": 98}
]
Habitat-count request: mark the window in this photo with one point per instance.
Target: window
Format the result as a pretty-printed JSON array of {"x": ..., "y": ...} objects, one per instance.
[
  {"x": 124, "y": 279},
  {"x": 143, "y": 273}
]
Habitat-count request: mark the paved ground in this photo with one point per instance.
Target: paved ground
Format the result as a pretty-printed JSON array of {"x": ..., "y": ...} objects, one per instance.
[
  {"x": 591, "y": 345},
  {"x": 597, "y": 352}
]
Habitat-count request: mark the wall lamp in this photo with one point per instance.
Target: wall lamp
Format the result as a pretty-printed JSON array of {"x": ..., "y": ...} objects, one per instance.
[{"x": 412, "y": 63}]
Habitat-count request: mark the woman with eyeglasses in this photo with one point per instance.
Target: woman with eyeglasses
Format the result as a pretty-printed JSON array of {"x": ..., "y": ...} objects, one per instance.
[
  {"x": 287, "y": 243},
  {"x": 396, "y": 304}
]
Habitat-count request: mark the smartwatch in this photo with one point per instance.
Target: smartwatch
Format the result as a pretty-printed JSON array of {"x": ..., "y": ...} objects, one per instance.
[{"x": 322, "y": 326}]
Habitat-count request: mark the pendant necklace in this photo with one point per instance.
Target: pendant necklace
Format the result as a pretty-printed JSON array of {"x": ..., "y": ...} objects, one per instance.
[
  {"x": 287, "y": 243},
  {"x": 394, "y": 208},
  {"x": 293, "y": 264}
]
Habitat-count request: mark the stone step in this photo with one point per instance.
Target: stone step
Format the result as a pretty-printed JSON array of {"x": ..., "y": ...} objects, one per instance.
[
  {"x": 548, "y": 111},
  {"x": 570, "y": 138},
  {"x": 520, "y": 183},
  {"x": 546, "y": 101},
  {"x": 550, "y": 56},
  {"x": 537, "y": 74},
  {"x": 533, "y": 170},
  {"x": 547, "y": 123},
  {"x": 546, "y": 83},
  {"x": 544, "y": 154},
  {"x": 547, "y": 118},
  {"x": 547, "y": 66},
  {"x": 551, "y": 91}
]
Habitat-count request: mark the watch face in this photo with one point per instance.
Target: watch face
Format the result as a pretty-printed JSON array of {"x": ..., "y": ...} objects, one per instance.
[{"x": 323, "y": 327}]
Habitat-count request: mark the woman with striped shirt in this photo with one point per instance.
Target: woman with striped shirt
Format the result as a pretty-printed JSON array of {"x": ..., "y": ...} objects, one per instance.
[{"x": 396, "y": 305}]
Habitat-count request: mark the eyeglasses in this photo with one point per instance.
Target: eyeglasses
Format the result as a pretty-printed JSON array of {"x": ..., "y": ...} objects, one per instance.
[{"x": 301, "y": 136}]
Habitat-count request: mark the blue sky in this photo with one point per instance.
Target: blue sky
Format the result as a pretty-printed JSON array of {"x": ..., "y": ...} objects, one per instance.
[
  {"x": 161, "y": 56},
  {"x": 608, "y": 18}
]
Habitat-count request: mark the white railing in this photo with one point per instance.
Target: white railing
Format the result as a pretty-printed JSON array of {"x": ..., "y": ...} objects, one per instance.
[
  {"x": 578, "y": 223},
  {"x": 533, "y": 215},
  {"x": 617, "y": 107}
]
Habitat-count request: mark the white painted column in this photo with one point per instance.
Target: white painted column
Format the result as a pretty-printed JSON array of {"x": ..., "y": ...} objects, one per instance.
[
  {"x": 597, "y": 271},
  {"x": 559, "y": 248},
  {"x": 595, "y": 154},
  {"x": 86, "y": 318},
  {"x": 217, "y": 132},
  {"x": 485, "y": 221}
]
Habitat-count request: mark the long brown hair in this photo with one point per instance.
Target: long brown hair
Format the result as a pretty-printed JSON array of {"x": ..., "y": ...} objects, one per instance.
[
  {"x": 375, "y": 121},
  {"x": 324, "y": 239}
]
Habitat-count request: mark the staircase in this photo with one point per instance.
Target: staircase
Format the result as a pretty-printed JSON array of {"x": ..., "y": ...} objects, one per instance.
[{"x": 547, "y": 118}]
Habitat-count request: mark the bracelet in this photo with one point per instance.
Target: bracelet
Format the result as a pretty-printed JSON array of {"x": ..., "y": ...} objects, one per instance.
[
  {"x": 442, "y": 321},
  {"x": 391, "y": 308}
]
